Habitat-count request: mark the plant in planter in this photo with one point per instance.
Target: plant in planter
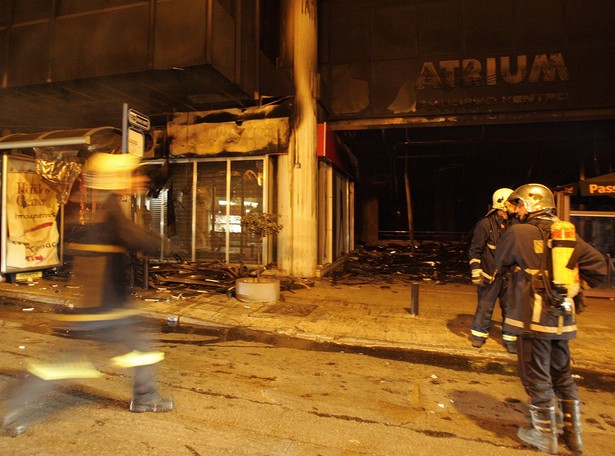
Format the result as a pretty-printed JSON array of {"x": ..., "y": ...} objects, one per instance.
[
  {"x": 261, "y": 225},
  {"x": 260, "y": 289}
]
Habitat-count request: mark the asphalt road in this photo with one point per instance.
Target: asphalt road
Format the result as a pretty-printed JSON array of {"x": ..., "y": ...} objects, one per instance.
[{"x": 237, "y": 396}]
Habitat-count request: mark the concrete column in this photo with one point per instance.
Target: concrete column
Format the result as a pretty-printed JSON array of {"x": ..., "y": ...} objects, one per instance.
[
  {"x": 297, "y": 242},
  {"x": 369, "y": 220}
]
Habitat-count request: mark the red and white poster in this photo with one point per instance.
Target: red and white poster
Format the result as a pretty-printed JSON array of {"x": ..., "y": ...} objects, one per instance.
[{"x": 31, "y": 214}]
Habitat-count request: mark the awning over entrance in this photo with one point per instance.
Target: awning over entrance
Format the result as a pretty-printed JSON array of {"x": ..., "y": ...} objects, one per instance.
[
  {"x": 603, "y": 185},
  {"x": 84, "y": 141},
  {"x": 598, "y": 186}
]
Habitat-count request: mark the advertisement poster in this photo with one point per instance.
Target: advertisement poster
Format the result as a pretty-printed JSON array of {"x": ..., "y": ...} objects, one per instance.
[{"x": 31, "y": 215}]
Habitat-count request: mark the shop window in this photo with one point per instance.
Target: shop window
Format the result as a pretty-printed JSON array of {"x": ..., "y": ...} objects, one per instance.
[{"x": 201, "y": 209}]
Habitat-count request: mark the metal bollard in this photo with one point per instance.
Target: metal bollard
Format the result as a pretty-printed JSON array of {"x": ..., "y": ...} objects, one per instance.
[
  {"x": 414, "y": 303},
  {"x": 145, "y": 273}
]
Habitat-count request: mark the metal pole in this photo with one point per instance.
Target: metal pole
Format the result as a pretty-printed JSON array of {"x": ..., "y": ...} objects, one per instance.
[
  {"x": 409, "y": 208},
  {"x": 414, "y": 303},
  {"x": 125, "y": 128}
]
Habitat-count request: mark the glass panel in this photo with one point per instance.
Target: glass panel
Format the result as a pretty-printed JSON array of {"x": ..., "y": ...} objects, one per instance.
[
  {"x": 179, "y": 216},
  {"x": 599, "y": 232},
  {"x": 217, "y": 219},
  {"x": 246, "y": 196},
  {"x": 210, "y": 234},
  {"x": 324, "y": 221},
  {"x": 340, "y": 220}
]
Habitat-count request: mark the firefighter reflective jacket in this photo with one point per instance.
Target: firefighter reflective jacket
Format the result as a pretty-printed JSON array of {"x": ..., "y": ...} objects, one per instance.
[
  {"x": 486, "y": 234},
  {"x": 531, "y": 309}
]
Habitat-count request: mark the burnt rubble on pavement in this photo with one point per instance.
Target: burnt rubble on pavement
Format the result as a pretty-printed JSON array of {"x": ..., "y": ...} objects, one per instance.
[
  {"x": 176, "y": 279},
  {"x": 430, "y": 261},
  {"x": 436, "y": 262},
  {"x": 185, "y": 279},
  {"x": 213, "y": 277}
]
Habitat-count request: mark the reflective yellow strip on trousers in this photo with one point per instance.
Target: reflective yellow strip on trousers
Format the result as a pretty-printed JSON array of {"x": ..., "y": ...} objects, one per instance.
[
  {"x": 116, "y": 314},
  {"x": 136, "y": 358},
  {"x": 63, "y": 371},
  {"x": 482, "y": 335}
]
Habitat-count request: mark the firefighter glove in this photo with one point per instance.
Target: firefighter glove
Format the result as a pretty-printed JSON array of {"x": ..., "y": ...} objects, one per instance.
[
  {"x": 477, "y": 276},
  {"x": 579, "y": 303}
]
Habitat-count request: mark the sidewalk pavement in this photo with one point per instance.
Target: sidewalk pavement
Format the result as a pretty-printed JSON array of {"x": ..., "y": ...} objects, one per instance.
[{"x": 365, "y": 315}]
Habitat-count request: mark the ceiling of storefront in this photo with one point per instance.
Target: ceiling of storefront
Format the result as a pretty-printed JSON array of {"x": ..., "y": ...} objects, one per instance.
[
  {"x": 452, "y": 171},
  {"x": 98, "y": 102}
]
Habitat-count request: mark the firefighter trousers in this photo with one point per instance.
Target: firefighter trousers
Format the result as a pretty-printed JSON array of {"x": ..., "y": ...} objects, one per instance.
[
  {"x": 488, "y": 294},
  {"x": 76, "y": 363},
  {"x": 544, "y": 369}
]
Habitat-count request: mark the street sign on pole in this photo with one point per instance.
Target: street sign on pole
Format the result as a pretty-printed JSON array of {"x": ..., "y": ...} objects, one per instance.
[{"x": 138, "y": 120}]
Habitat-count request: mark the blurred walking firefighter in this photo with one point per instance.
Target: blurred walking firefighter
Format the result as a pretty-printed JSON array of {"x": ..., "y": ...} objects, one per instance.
[{"x": 100, "y": 253}]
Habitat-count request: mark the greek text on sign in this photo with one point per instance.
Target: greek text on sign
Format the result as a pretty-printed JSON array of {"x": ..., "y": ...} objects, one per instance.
[
  {"x": 136, "y": 142},
  {"x": 138, "y": 120},
  {"x": 601, "y": 189}
]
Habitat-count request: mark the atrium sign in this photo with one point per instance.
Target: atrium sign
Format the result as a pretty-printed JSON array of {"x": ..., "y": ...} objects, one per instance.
[
  {"x": 487, "y": 84},
  {"x": 483, "y": 87},
  {"x": 447, "y": 74}
]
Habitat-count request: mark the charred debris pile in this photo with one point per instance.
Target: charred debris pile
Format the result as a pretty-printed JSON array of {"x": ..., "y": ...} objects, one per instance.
[
  {"x": 429, "y": 261},
  {"x": 187, "y": 279}
]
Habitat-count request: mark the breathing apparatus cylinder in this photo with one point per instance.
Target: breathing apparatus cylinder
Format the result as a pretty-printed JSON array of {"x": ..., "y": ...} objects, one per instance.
[{"x": 565, "y": 279}]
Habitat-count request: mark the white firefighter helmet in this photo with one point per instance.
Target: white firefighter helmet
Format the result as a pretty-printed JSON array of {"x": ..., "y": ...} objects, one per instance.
[
  {"x": 106, "y": 171},
  {"x": 499, "y": 198},
  {"x": 535, "y": 197}
]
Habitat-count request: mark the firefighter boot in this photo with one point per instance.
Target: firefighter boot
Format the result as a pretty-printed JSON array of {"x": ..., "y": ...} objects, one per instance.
[
  {"x": 13, "y": 423},
  {"x": 543, "y": 434},
  {"x": 572, "y": 425},
  {"x": 16, "y": 398},
  {"x": 145, "y": 396}
]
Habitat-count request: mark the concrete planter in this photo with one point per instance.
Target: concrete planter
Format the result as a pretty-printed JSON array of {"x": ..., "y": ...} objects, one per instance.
[{"x": 247, "y": 289}]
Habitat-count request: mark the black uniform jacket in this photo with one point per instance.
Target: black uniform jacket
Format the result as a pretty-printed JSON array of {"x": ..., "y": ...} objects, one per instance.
[
  {"x": 486, "y": 235},
  {"x": 530, "y": 311}
]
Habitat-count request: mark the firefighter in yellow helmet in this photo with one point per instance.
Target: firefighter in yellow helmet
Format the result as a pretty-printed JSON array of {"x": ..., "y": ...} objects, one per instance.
[
  {"x": 491, "y": 286},
  {"x": 542, "y": 317},
  {"x": 99, "y": 269}
]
